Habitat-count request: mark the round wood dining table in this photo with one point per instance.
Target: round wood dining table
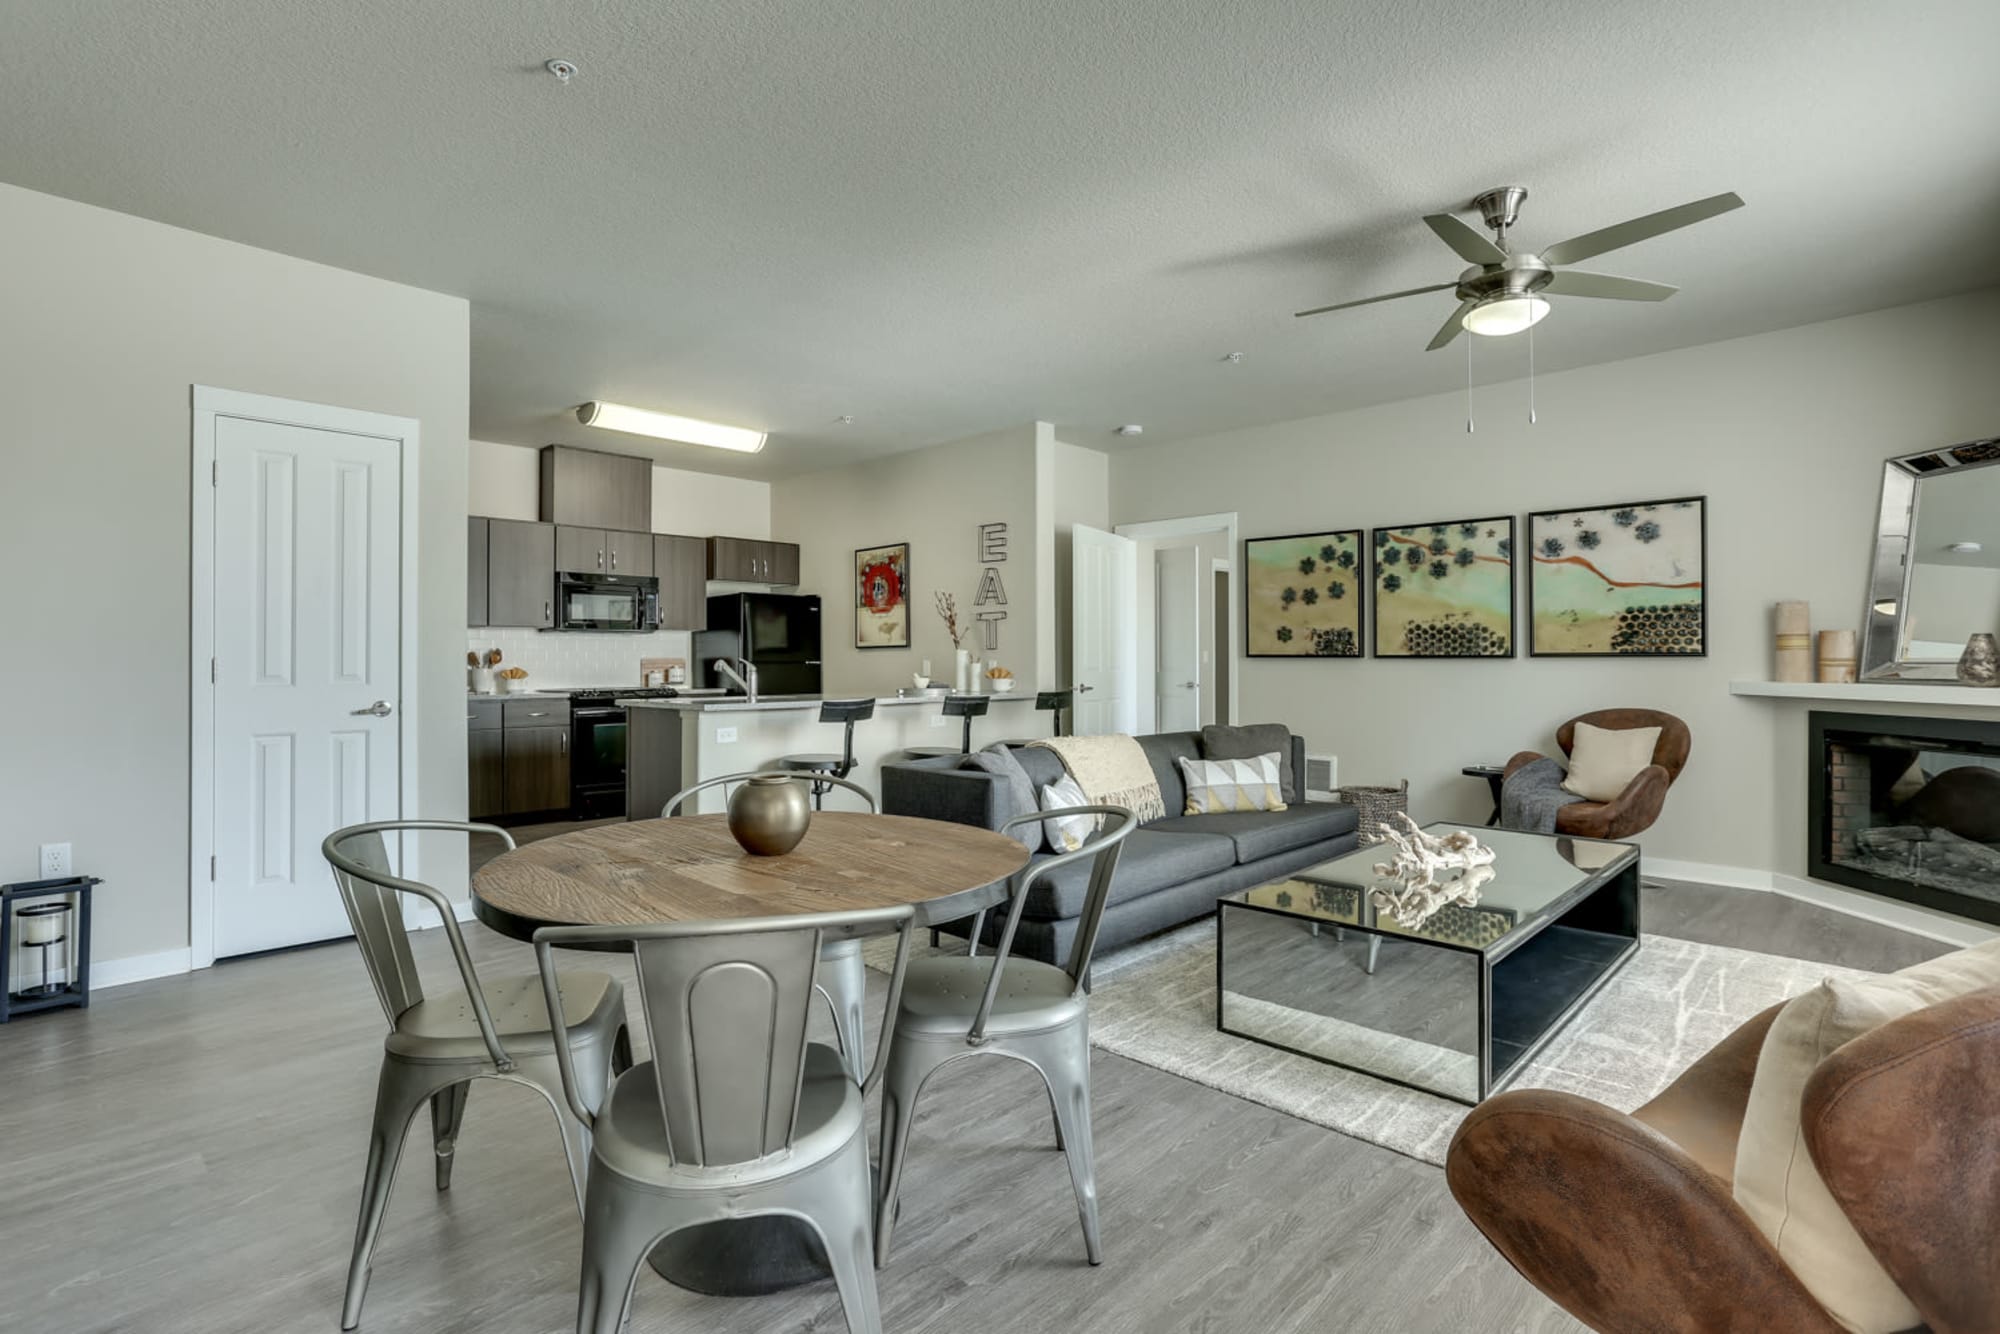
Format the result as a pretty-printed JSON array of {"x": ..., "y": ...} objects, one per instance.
[{"x": 690, "y": 869}]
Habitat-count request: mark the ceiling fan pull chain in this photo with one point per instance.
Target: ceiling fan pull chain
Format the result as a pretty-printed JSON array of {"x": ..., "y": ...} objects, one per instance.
[
  {"x": 1531, "y": 375},
  {"x": 1468, "y": 385}
]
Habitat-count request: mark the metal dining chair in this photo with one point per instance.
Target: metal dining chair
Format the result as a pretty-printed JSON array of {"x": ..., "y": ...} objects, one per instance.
[
  {"x": 960, "y": 1006},
  {"x": 843, "y": 977},
  {"x": 436, "y": 1047},
  {"x": 737, "y": 1115}
]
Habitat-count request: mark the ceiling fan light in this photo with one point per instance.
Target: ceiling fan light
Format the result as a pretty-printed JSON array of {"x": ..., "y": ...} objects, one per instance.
[
  {"x": 1505, "y": 313},
  {"x": 666, "y": 426}
]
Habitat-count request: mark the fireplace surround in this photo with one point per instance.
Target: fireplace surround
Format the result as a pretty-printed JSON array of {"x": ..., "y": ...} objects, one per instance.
[{"x": 1908, "y": 808}]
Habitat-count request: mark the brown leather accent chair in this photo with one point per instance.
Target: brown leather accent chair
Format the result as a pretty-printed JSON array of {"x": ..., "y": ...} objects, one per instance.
[
  {"x": 1627, "y": 1222},
  {"x": 1634, "y": 809}
]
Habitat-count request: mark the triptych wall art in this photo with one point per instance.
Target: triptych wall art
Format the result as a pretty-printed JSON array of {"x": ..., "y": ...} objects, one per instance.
[
  {"x": 1303, "y": 595},
  {"x": 1625, "y": 580}
]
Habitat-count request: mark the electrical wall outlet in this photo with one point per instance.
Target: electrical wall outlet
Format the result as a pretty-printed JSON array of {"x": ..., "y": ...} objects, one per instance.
[
  {"x": 725, "y": 735},
  {"x": 939, "y": 720},
  {"x": 55, "y": 861}
]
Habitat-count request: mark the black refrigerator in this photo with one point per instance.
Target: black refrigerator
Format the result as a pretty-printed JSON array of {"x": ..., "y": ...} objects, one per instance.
[{"x": 777, "y": 632}]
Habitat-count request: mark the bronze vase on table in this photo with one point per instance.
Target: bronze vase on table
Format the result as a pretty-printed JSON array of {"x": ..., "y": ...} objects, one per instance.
[{"x": 768, "y": 815}]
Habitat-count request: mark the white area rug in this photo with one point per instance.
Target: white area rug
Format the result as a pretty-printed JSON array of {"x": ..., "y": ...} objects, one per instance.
[{"x": 1154, "y": 1002}]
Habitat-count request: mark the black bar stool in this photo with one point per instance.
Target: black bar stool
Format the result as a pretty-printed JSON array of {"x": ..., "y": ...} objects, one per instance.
[
  {"x": 1056, "y": 701},
  {"x": 847, "y": 712},
  {"x": 967, "y": 707}
]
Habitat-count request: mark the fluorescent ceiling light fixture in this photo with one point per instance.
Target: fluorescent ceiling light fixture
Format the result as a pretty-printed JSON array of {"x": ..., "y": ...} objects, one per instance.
[
  {"x": 1505, "y": 313},
  {"x": 666, "y": 426}
]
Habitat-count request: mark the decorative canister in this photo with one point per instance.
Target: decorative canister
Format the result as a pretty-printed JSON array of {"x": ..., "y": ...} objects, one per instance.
[
  {"x": 1837, "y": 658},
  {"x": 1792, "y": 656},
  {"x": 768, "y": 815},
  {"x": 1979, "y": 665},
  {"x": 961, "y": 672}
]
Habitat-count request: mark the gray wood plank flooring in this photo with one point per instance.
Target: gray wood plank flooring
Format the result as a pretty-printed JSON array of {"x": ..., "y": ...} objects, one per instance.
[{"x": 185, "y": 1156}]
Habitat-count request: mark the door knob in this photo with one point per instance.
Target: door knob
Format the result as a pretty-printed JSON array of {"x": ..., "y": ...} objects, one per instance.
[
  {"x": 1190, "y": 685},
  {"x": 379, "y": 709},
  {"x": 1081, "y": 688}
]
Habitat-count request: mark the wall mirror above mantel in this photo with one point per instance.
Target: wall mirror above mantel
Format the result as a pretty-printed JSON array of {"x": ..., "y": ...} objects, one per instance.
[{"x": 1936, "y": 575}]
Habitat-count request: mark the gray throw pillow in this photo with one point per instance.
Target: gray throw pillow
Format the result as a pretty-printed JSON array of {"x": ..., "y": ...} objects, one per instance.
[
  {"x": 999, "y": 761},
  {"x": 1247, "y": 743}
]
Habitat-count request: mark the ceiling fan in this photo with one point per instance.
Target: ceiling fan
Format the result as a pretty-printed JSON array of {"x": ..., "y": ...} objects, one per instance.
[{"x": 1506, "y": 291}]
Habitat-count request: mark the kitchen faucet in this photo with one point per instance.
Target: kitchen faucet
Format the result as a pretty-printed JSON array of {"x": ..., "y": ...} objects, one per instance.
[{"x": 744, "y": 680}]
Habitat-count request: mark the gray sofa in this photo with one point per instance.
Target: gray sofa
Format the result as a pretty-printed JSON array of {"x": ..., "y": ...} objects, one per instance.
[{"x": 1169, "y": 871}]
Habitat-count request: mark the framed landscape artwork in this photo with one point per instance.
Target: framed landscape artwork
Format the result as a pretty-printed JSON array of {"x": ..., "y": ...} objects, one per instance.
[
  {"x": 882, "y": 597},
  {"x": 1619, "y": 580},
  {"x": 1445, "y": 590},
  {"x": 1302, "y": 595}
]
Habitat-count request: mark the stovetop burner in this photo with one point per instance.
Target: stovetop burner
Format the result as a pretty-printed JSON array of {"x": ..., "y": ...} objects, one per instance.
[{"x": 633, "y": 692}]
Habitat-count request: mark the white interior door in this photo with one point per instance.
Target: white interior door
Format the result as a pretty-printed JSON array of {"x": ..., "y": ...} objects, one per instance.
[
  {"x": 1177, "y": 639},
  {"x": 307, "y": 614},
  {"x": 1104, "y": 643}
]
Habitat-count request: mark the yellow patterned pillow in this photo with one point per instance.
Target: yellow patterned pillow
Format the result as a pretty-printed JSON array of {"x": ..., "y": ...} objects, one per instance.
[{"x": 1215, "y": 786}]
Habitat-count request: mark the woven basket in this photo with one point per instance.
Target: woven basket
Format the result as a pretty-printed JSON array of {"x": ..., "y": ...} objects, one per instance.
[{"x": 1376, "y": 805}]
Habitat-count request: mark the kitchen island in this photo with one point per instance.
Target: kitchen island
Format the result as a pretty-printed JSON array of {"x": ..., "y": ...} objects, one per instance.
[{"x": 671, "y": 743}]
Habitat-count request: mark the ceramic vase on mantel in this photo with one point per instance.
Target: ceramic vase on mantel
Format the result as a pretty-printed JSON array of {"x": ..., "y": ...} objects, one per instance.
[
  {"x": 769, "y": 814},
  {"x": 961, "y": 682},
  {"x": 1792, "y": 656},
  {"x": 1837, "y": 659},
  {"x": 1979, "y": 665}
]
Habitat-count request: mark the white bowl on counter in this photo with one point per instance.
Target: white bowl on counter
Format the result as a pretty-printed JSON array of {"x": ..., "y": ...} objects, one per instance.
[{"x": 1000, "y": 685}]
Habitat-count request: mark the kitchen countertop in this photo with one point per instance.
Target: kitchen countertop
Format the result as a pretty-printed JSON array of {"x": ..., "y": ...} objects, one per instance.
[{"x": 775, "y": 703}]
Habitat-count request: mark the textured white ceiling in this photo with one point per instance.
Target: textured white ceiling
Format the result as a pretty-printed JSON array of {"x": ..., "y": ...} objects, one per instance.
[{"x": 944, "y": 217}]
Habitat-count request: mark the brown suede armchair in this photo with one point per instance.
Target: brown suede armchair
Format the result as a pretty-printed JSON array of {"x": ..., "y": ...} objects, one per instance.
[
  {"x": 1634, "y": 809},
  {"x": 1628, "y": 1223}
]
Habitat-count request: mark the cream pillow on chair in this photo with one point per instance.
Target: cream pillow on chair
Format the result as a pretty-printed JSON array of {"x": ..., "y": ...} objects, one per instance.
[
  {"x": 1776, "y": 1182},
  {"x": 1603, "y": 761}
]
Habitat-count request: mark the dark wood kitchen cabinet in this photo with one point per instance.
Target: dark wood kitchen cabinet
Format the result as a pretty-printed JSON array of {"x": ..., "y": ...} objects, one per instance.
[
  {"x": 535, "y": 764},
  {"x": 476, "y": 532},
  {"x": 748, "y": 560},
  {"x": 485, "y": 790},
  {"x": 681, "y": 564},
  {"x": 603, "y": 551},
  {"x": 588, "y": 488},
  {"x": 520, "y": 574}
]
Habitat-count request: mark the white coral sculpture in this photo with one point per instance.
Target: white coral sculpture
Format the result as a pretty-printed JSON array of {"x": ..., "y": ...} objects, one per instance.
[{"x": 1422, "y": 858}]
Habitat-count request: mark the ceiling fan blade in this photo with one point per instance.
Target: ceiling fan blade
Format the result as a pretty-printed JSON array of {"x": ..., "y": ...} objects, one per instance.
[
  {"x": 1575, "y": 282},
  {"x": 1632, "y": 232},
  {"x": 1451, "y": 328},
  {"x": 1371, "y": 300},
  {"x": 1462, "y": 237}
]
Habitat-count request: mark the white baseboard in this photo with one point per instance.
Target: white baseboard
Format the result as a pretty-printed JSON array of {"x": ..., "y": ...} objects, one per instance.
[
  {"x": 107, "y": 973},
  {"x": 139, "y": 968},
  {"x": 1867, "y": 907}
]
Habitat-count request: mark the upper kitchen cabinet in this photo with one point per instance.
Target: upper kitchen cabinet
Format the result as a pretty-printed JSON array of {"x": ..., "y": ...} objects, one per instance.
[
  {"x": 520, "y": 573},
  {"x": 587, "y": 488},
  {"x": 681, "y": 563},
  {"x": 745, "y": 560},
  {"x": 601, "y": 551},
  {"x": 476, "y": 535}
]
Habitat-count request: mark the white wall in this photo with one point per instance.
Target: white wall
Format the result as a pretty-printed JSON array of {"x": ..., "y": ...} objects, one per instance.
[
  {"x": 934, "y": 499},
  {"x": 504, "y": 482},
  {"x": 110, "y": 320},
  {"x": 1784, "y": 432},
  {"x": 1079, "y": 493}
]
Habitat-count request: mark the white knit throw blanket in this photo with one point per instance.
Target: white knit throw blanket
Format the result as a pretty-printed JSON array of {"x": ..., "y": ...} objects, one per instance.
[{"x": 1112, "y": 771}]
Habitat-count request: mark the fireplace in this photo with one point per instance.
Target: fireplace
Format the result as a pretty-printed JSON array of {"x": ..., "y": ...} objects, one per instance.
[{"x": 1908, "y": 807}]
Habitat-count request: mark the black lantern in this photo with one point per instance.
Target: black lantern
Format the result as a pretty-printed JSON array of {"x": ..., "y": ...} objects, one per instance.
[{"x": 45, "y": 924}]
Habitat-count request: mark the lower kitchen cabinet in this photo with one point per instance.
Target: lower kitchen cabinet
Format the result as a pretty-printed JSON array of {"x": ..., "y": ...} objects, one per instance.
[
  {"x": 535, "y": 771},
  {"x": 486, "y": 794}
]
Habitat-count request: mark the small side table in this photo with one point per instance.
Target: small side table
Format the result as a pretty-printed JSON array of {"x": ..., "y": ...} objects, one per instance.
[
  {"x": 58, "y": 915},
  {"x": 1494, "y": 775}
]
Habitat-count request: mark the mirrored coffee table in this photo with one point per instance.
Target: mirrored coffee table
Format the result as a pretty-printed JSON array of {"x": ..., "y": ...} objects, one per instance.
[{"x": 1450, "y": 997}]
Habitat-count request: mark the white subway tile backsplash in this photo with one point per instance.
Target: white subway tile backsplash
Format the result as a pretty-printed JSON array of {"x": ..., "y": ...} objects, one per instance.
[{"x": 558, "y": 661}]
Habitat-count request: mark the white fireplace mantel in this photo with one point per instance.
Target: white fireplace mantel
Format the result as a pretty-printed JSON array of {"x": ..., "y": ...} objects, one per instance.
[{"x": 1943, "y": 694}]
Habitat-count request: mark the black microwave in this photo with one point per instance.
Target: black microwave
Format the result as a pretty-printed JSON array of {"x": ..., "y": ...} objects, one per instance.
[{"x": 614, "y": 602}]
